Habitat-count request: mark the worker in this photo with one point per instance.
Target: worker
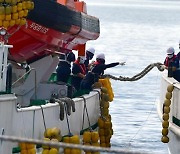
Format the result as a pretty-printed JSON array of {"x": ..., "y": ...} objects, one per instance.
[
  {"x": 78, "y": 71},
  {"x": 64, "y": 67},
  {"x": 99, "y": 65},
  {"x": 89, "y": 56},
  {"x": 171, "y": 63}
]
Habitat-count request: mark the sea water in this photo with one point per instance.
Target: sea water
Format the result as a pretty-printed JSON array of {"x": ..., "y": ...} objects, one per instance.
[{"x": 138, "y": 32}]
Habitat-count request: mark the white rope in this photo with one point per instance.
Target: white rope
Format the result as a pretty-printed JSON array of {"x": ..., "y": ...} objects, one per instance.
[{"x": 67, "y": 145}]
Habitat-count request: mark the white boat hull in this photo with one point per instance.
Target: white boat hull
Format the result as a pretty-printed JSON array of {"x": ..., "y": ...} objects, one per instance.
[
  {"x": 28, "y": 122},
  {"x": 174, "y": 115}
]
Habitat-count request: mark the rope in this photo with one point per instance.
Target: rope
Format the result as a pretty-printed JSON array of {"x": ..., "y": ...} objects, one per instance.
[
  {"x": 85, "y": 109},
  {"x": 98, "y": 93},
  {"x": 139, "y": 75},
  {"x": 33, "y": 123},
  {"x": 43, "y": 117},
  {"x": 67, "y": 145},
  {"x": 65, "y": 107}
]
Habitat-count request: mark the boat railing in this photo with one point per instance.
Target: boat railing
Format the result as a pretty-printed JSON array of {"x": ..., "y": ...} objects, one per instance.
[
  {"x": 3, "y": 65},
  {"x": 68, "y": 145}
]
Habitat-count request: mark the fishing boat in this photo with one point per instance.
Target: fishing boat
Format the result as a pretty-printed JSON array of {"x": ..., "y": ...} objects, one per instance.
[
  {"x": 31, "y": 101},
  {"x": 168, "y": 111}
]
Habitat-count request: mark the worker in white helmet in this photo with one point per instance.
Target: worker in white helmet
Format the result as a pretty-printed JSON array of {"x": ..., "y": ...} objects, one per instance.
[
  {"x": 99, "y": 65},
  {"x": 97, "y": 69},
  {"x": 89, "y": 56},
  {"x": 171, "y": 63},
  {"x": 171, "y": 58}
]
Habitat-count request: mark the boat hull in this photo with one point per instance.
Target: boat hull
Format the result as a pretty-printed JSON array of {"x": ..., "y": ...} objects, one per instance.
[
  {"x": 31, "y": 122},
  {"x": 174, "y": 115}
]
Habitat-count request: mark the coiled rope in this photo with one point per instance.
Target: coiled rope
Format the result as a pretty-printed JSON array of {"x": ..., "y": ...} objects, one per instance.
[{"x": 139, "y": 75}]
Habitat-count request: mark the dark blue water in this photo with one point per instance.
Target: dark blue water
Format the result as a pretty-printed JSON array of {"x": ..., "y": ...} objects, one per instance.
[{"x": 138, "y": 32}]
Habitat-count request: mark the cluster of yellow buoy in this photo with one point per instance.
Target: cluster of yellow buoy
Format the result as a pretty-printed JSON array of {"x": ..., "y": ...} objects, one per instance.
[
  {"x": 166, "y": 110},
  {"x": 104, "y": 122},
  {"x": 107, "y": 84},
  {"x": 105, "y": 131},
  {"x": 91, "y": 138},
  {"x": 27, "y": 148},
  {"x": 14, "y": 12},
  {"x": 72, "y": 140},
  {"x": 53, "y": 135}
]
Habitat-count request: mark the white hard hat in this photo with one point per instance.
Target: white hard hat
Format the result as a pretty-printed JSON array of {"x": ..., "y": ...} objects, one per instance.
[
  {"x": 170, "y": 50},
  {"x": 100, "y": 56},
  {"x": 91, "y": 50}
]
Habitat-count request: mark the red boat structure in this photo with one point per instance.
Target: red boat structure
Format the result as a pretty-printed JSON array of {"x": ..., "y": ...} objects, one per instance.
[{"x": 52, "y": 27}]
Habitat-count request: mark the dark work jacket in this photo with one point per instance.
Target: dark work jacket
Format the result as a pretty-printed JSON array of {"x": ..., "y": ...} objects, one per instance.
[
  {"x": 63, "y": 71},
  {"x": 174, "y": 60},
  {"x": 77, "y": 68},
  {"x": 88, "y": 81},
  {"x": 99, "y": 68}
]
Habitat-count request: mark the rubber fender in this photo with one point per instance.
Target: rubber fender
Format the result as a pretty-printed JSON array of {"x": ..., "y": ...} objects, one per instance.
[
  {"x": 73, "y": 106},
  {"x": 68, "y": 105},
  {"x": 61, "y": 115}
]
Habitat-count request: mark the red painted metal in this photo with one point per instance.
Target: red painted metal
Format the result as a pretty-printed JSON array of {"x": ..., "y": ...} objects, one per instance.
[{"x": 34, "y": 40}]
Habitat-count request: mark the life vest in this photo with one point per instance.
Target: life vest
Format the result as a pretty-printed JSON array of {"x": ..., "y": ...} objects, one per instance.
[
  {"x": 167, "y": 61},
  {"x": 82, "y": 67},
  {"x": 94, "y": 64}
]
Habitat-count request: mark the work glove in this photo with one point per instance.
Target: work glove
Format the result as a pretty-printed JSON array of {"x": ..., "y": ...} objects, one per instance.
[{"x": 122, "y": 63}]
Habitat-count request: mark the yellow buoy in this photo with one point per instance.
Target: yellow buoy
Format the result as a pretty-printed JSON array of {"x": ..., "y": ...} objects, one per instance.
[
  {"x": 67, "y": 151},
  {"x": 100, "y": 122},
  {"x": 165, "y": 116},
  {"x": 8, "y": 17},
  {"x": 170, "y": 88},
  {"x": 2, "y": 16},
  {"x": 46, "y": 146},
  {"x": 14, "y": 8},
  {"x": 165, "y": 139},
  {"x": 18, "y": 21},
  {"x": 45, "y": 151},
  {"x": 102, "y": 139},
  {"x": 165, "y": 131},
  {"x": 166, "y": 109},
  {"x": 5, "y": 24},
  {"x": 167, "y": 102},
  {"x": 94, "y": 137},
  {"x": 1, "y": 23},
  {"x": 53, "y": 151},
  {"x": 168, "y": 95},
  {"x": 8, "y": 9},
  {"x": 66, "y": 139},
  {"x": 75, "y": 139},
  {"x": 2, "y": 10},
  {"x": 96, "y": 144},
  {"x": 32, "y": 151},
  {"x": 24, "y": 151},
  {"x": 107, "y": 131},
  {"x": 30, "y": 145},
  {"x": 165, "y": 124},
  {"x": 23, "y": 21},
  {"x": 21, "y": 13},
  {"x": 87, "y": 137},
  {"x": 107, "y": 124},
  {"x": 12, "y": 22},
  {"x": 101, "y": 132},
  {"x": 76, "y": 151}
]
